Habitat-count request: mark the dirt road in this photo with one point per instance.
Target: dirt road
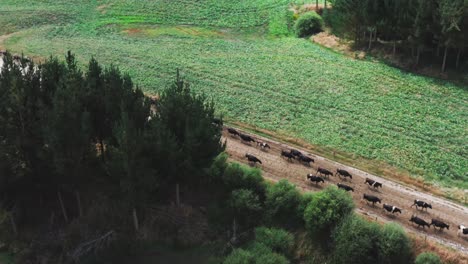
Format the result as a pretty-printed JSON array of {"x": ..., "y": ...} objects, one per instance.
[{"x": 275, "y": 168}]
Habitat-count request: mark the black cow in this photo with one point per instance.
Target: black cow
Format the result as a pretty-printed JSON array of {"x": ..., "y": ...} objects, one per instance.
[
  {"x": 252, "y": 158},
  {"x": 437, "y": 223},
  {"x": 419, "y": 221},
  {"x": 462, "y": 230},
  {"x": 373, "y": 183},
  {"x": 324, "y": 172},
  {"x": 263, "y": 145},
  {"x": 247, "y": 138},
  {"x": 371, "y": 198},
  {"x": 305, "y": 159},
  {"x": 287, "y": 155},
  {"x": 343, "y": 173},
  {"x": 233, "y": 132},
  {"x": 391, "y": 208},
  {"x": 345, "y": 187},
  {"x": 422, "y": 204},
  {"x": 315, "y": 179},
  {"x": 295, "y": 152}
]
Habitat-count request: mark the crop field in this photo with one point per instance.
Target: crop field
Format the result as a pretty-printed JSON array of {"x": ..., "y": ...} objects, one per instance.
[{"x": 284, "y": 84}]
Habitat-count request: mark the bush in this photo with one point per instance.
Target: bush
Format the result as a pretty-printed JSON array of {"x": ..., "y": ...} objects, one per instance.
[
  {"x": 394, "y": 245},
  {"x": 428, "y": 258},
  {"x": 240, "y": 256},
  {"x": 278, "y": 240},
  {"x": 356, "y": 241},
  {"x": 282, "y": 203},
  {"x": 305, "y": 200},
  {"x": 245, "y": 206},
  {"x": 327, "y": 209},
  {"x": 237, "y": 176},
  {"x": 308, "y": 24},
  {"x": 256, "y": 253}
]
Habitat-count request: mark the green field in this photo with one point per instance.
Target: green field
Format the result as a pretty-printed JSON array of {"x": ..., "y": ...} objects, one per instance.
[{"x": 289, "y": 85}]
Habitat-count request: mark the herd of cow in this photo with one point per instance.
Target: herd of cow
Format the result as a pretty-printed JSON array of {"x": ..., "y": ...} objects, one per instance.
[{"x": 322, "y": 173}]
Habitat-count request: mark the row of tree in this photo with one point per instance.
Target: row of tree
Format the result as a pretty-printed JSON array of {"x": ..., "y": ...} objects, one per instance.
[
  {"x": 419, "y": 26},
  {"x": 66, "y": 133}
]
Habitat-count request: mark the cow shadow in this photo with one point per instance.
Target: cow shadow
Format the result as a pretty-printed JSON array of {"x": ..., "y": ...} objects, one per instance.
[{"x": 422, "y": 211}]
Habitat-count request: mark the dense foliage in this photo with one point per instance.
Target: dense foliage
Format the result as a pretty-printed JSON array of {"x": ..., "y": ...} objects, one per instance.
[
  {"x": 356, "y": 240},
  {"x": 327, "y": 209},
  {"x": 308, "y": 24},
  {"x": 423, "y": 25},
  {"x": 282, "y": 204},
  {"x": 67, "y": 133},
  {"x": 427, "y": 258}
]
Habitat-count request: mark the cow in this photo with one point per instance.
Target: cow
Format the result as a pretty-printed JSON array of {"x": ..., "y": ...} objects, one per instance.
[
  {"x": 391, "y": 208},
  {"x": 373, "y": 183},
  {"x": 233, "y": 132},
  {"x": 315, "y": 179},
  {"x": 295, "y": 152},
  {"x": 263, "y": 145},
  {"x": 419, "y": 222},
  {"x": 252, "y": 158},
  {"x": 345, "y": 187},
  {"x": 324, "y": 172},
  {"x": 372, "y": 199},
  {"x": 437, "y": 223},
  {"x": 247, "y": 138},
  {"x": 344, "y": 173},
  {"x": 287, "y": 155},
  {"x": 305, "y": 159},
  {"x": 422, "y": 204},
  {"x": 462, "y": 230}
]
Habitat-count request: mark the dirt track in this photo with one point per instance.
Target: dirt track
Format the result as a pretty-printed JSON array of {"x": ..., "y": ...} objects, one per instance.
[{"x": 275, "y": 168}]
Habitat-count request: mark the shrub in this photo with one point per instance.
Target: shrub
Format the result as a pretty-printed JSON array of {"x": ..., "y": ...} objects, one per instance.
[
  {"x": 240, "y": 256},
  {"x": 256, "y": 253},
  {"x": 308, "y": 24},
  {"x": 428, "y": 258},
  {"x": 327, "y": 209},
  {"x": 278, "y": 240},
  {"x": 218, "y": 167},
  {"x": 245, "y": 206},
  {"x": 356, "y": 241},
  {"x": 265, "y": 255},
  {"x": 241, "y": 177},
  {"x": 281, "y": 204},
  {"x": 305, "y": 200},
  {"x": 394, "y": 245}
]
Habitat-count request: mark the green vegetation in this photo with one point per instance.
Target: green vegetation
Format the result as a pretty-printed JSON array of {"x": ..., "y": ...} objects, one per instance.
[
  {"x": 282, "y": 204},
  {"x": 359, "y": 107},
  {"x": 424, "y": 26},
  {"x": 308, "y": 24},
  {"x": 427, "y": 258},
  {"x": 358, "y": 241},
  {"x": 327, "y": 209},
  {"x": 269, "y": 246}
]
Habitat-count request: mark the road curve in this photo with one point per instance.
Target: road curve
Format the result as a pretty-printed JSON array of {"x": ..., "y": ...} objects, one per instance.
[{"x": 275, "y": 168}]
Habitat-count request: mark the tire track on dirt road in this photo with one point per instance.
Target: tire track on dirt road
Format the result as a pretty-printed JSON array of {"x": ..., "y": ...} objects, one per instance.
[{"x": 275, "y": 168}]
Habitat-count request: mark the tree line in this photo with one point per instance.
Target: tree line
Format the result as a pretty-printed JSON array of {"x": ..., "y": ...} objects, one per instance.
[
  {"x": 68, "y": 133},
  {"x": 419, "y": 27}
]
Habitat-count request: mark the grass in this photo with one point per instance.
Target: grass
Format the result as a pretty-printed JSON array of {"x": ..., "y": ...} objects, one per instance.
[{"x": 287, "y": 85}]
